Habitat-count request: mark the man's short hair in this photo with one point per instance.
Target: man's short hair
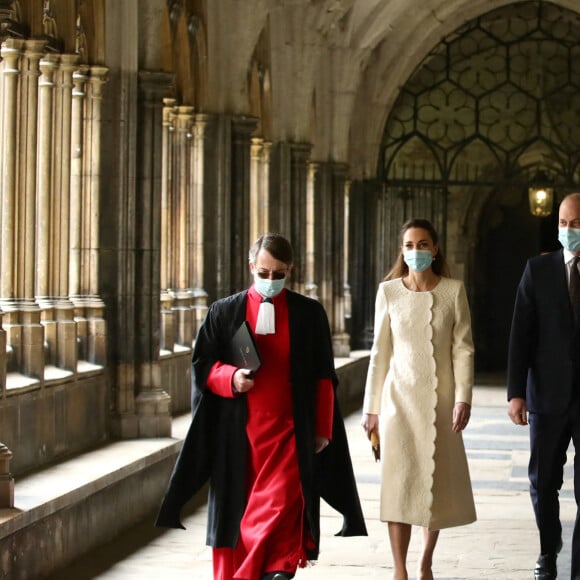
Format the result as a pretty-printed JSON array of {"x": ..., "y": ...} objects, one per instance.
[{"x": 275, "y": 244}]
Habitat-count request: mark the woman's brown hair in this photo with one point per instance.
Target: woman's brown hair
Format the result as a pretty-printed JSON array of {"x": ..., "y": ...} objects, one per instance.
[{"x": 439, "y": 265}]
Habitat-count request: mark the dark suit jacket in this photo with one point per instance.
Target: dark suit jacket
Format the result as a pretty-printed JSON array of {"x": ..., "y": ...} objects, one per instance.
[
  {"x": 215, "y": 446},
  {"x": 544, "y": 348}
]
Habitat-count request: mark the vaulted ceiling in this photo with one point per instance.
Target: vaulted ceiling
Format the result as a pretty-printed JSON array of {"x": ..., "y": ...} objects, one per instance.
[{"x": 327, "y": 72}]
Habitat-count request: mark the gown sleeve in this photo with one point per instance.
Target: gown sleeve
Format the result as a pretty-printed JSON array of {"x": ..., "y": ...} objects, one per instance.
[
  {"x": 324, "y": 408},
  {"x": 219, "y": 379}
]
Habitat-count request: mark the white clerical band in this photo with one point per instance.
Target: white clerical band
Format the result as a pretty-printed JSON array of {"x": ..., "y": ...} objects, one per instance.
[{"x": 266, "y": 323}]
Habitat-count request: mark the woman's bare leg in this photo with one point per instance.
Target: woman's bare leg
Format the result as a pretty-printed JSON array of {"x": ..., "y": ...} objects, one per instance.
[
  {"x": 430, "y": 538},
  {"x": 400, "y": 536}
]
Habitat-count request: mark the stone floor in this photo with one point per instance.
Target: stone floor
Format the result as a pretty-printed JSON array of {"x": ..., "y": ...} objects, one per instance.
[{"x": 502, "y": 544}]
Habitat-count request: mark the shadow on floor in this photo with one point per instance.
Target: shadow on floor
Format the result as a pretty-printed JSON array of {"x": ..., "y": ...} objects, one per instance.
[{"x": 103, "y": 558}]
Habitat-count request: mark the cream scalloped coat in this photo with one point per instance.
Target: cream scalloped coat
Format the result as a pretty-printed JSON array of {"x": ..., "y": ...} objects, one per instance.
[{"x": 421, "y": 364}]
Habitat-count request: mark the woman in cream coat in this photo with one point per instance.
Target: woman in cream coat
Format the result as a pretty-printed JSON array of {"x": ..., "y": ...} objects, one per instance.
[{"x": 419, "y": 383}]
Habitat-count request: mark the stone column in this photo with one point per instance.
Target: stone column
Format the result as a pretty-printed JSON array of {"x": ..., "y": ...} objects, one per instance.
[
  {"x": 44, "y": 238},
  {"x": 89, "y": 306},
  {"x": 338, "y": 211},
  {"x": 28, "y": 167},
  {"x": 80, "y": 78},
  {"x": 48, "y": 66},
  {"x": 92, "y": 183},
  {"x": 326, "y": 236},
  {"x": 65, "y": 354},
  {"x": 300, "y": 153},
  {"x": 119, "y": 227},
  {"x": 32, "y": 333},
  {"x": 311, "y": 287},
  {"x": 10, "y": 52},
  {"x": 54, "y": 181},
  {"x": 62, "y": 171},
  {"x": 168, "y": 332},
  {"x": 279, "y": 189},
  {"x": 198, "y": 221},
  {"x": 77, "y": 223},
  {"x": 322, "y": 237},
  {"x": 181, "y": 216},
  {"x": 265, "y": 184},
  {"x": 255, "y": 213},
  {"x": 259, "y": 202},
  {"x": 346, "y": 258},
  {"x": 365, "y": 271},
  {"x": 153, "y": 403},
  {"x": 18, "y": 192},
  {"x": 239, "y": 236}
]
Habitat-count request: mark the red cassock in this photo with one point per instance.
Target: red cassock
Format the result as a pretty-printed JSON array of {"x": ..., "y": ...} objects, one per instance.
[{"x": 273, "y": 536}]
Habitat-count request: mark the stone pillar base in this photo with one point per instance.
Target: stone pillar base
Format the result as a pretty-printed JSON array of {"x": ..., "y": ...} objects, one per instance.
[
  {"x": 200, "y": 308},
  {"x": 25, "y": 336},
  {"x": 341, "y": 345},
  {"x": 66, "y": 337},
  {"x": 125, "y": 426},
  {"x": 168, "y": 333},
  {"x": 91, "y": 329},
  {"x": 153, "y": 411},
  {"x": 184, "y": 320},
  {"x": 311, "y": 290}
]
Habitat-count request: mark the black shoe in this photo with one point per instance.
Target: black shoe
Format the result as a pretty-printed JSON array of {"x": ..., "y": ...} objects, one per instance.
[
  {"x": 277, "y": 576},
  {"x": 546, "y": 566}
]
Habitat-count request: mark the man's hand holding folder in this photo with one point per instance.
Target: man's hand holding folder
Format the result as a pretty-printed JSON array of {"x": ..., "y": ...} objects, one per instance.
[{"x": 245, "y": 355}]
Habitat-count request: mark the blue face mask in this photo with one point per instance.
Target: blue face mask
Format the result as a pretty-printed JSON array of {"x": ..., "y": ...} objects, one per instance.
[
  {"x": 268, "y": 288},
  {"x": 569, "y": 238},
  {"x": 418, "y": 260}
]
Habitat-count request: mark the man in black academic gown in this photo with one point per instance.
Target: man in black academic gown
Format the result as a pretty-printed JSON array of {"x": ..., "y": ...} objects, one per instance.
[{"x": 216, "y": 446}]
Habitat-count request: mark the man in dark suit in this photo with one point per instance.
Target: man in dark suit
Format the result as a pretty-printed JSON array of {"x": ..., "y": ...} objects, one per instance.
[
  {"x": 544, "y": 380},
  {"x": 270, "y": 443}
]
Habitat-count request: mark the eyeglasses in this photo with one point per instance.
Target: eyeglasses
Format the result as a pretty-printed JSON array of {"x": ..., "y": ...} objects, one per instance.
[{"x": 274, "y": 274}]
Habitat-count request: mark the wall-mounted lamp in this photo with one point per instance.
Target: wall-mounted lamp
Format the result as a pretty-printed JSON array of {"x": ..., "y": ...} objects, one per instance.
[{"x": 541, "y": 196}]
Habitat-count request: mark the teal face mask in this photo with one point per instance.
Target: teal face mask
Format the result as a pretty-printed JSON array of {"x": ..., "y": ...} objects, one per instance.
[
  {"x": 268, "y": 288},
  {"x": 418, "y": 260},
  {"x": 569, "y": 238}
]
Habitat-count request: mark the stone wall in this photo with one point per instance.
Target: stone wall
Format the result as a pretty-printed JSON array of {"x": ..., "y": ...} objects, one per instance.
[
  {"x": 55, "y": 420},
  {"x": 55, "y": 522}
]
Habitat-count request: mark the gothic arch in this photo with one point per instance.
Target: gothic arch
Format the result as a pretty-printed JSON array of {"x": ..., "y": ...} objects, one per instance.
[
  {"x": 508, "y": 78},
  {"x": 259, "y": 86},
  {"x": 90, "y": 19},
  {"x": 186, "y": 52},
  {"x": 69, "y": 26},
  {"x": 199, "y": 62},
  {"x": 495, "y": 102},
  {"x": 182, "y": 56}
]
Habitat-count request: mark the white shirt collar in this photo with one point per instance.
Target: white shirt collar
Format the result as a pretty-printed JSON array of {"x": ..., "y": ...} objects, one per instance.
[{"x": 568, "y": 256}]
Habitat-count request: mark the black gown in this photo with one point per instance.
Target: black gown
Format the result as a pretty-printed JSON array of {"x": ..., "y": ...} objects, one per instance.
[{"x": 215, "y": 448}]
